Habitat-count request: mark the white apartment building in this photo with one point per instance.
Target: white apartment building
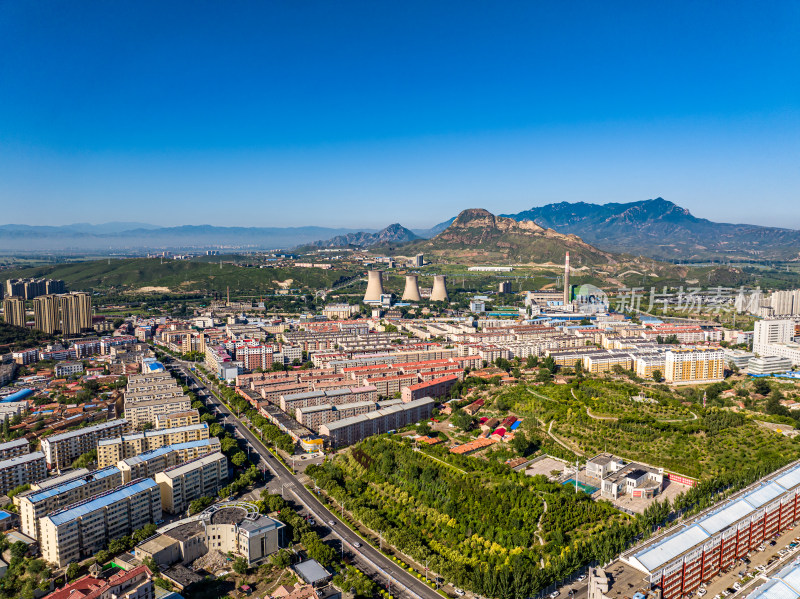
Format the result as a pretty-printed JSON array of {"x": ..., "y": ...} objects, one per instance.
[
  {"x": 22, "y": 470},
  {"x": 62, "y": 449},
  {"x": 63, "y": 491},
  {"x": 147, "y": 464},
  {"x": 771, "y": 332},
  {"x": 111, "y": 451},
  {"x": 146, "y": 412},
  {"x": 82, "y": 529},
  {"x": 201, "y": 477},
  {"x": 14, "y": 448}
]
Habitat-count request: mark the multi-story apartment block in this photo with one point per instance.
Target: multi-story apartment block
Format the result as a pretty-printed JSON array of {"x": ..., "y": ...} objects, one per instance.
[
  {"x": 176, "y": 419},
  {"x": 147, "y": 464},
  {"x": 15, "y": 448},
  {"x": 112, "y": 450},
  {"x": 22, "y": 470},
  {"x": 679, "y": 559},
  {"x": 46, "y": 315},
  {"x": 315, "y": 416},
  {"x": 694, "y": 365},
  {"x": 76, "y": 312},
  {"x": 200, "y": 477},
  {"x": 146, "y": 412},
  {"x": 62, "y": 449},
  {"x": 63, "y": 491},
  {"x": 436, "y": 387},
  {"x": 14, "y": 311},
  {"x": 352, "y": 430},
  {"x": 82, "y": 529},
  {"x": 771, "y": 332}
]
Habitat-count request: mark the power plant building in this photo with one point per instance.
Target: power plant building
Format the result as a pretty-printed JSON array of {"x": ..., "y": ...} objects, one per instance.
[
  {"x": 439, "y": 292},
  {"x": 411, "y": 291},
  {"x": 374, "y": 287}
]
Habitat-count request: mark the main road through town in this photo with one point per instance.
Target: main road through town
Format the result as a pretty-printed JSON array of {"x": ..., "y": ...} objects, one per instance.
[{"x": 384, "y": 570}]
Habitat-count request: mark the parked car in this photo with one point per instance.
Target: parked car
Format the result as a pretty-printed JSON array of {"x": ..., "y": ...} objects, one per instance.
[
  {"x": 459, "y": 592},
  {"x": 552, "y": 595},
  {"x": 701, "y": 592},
  {"x": 725, "y": 593},
  {"x": 581, "y": 578},
  {"x": 737, "y": 586}
]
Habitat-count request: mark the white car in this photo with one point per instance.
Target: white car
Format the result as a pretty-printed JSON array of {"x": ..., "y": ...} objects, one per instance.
[
  {"x": 357, "y": 545},
  {"x": 331, "y": 522},
  {"x": 459, "y": 592},
  {"x": 701, "y": 592},
  {"x": 581, "y": 578},
  {"x": 737, "y": 586},
  {"x": 554, "y": 594}
]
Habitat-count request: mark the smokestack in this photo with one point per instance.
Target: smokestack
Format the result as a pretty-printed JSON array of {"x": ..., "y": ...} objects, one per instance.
[
  {"x": 439, "y": 292},
  {"x": 411, "y": 292},
  {"x": 374, "y": 286},
  {"x": 566, "y": 280}
]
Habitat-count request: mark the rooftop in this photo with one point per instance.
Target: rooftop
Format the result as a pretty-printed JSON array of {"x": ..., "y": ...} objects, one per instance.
[{"x": 76, "y": 510}]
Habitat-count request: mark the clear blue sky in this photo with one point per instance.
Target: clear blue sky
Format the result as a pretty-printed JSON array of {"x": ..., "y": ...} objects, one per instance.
[{"x": 290, "y": 112}]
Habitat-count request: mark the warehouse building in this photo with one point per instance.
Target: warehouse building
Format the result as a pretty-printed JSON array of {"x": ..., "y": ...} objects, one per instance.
[
  {"x": 82, "y": 529},
  {"x": 679, "y": 560}
]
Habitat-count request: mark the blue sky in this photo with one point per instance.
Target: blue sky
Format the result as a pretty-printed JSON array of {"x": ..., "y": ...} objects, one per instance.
[{"x": 361, "y": 114}]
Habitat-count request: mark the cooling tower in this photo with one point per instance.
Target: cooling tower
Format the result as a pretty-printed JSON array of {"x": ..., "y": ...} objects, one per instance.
[
  {"x": 374, "y": 286},
  {"x": 411, "y": 292},
  {"x": 439, "y": 293}
]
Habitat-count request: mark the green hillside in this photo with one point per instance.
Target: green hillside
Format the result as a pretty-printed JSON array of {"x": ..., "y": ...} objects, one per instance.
[{"x": 179, "y": 276}]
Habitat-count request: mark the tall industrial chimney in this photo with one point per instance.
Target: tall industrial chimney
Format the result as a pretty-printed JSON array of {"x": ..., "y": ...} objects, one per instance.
[
  {"x": 411, "y": 292},
  {"x": 439, "y": 292},
  {"x": 566, "y": 281},
  {"x": 374, "y": 286}
]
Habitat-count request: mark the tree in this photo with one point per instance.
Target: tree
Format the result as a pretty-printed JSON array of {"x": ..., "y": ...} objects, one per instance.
[
  {"x": 424, "y": 428},
  {"x": 281, "y": 559},
  {"x": 657, "y": 375},
  {"x": 239, "y": 459},
  {"x": 532, "y": 362},
  {"x": 72, "y": 571},
  {"x": 240, "y": 565},
  {"x": 198, "y": 505},
  {"x": 462, "y": 420},
  {"x": 762, "y": 386},
  {"x": 85, "y": 459}
]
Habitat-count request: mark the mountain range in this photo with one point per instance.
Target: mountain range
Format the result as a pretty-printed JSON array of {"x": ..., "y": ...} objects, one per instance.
[
  {"x": 392, "y": 234},
  {"x": 660, "y": 229},
  {"x": 478, "y": 236}
]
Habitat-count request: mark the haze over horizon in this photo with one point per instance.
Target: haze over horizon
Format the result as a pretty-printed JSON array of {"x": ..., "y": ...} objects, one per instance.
[{"x": 359, "y": 115}]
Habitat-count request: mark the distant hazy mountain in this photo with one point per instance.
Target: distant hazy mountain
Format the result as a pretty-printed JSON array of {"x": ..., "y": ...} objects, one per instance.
[
  {"x": 477, "y": 235},
  {"x": 117, "y": 236},
  {"x": 395, "y": 233},
  {"x": 661, "y": 229},
  {"x": 435, "y": 230}
]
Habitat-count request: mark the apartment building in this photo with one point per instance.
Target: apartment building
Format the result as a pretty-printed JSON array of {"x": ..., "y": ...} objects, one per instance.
[
  {"x": 76, "y": 312},
  {"x": 14, "y": 311},
  {"x": 315, "y": 416},
  {"x": 46, "y": 315},
  {"x": 177, "y": 419},
  {"x": 352, "y": 430},
  {"x": 339, "y": 395},
  {"x": 437, "y": 387},
  {"x": 62, "y": 449},
  {"x": 687, "y": 366},
  {"x": 147, "y": 464},
  {"x": 112, "y": 450},
  {"x": 22, "y": 470},
  {"x": 389, "y": 385},
  {"x": 200, "y": 477},
  {"x": 679, "y": 559},
  {"x": 146, "y": 412},
  {"x": 14, "y": 448},
  {"x": 63, "y": 491},
  {"x": 82, "y": 529},
  {"x": 771, "y": 332}
]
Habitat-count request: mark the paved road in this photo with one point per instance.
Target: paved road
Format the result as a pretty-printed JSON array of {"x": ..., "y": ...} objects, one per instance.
[{"x": 369, "y": 559}]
